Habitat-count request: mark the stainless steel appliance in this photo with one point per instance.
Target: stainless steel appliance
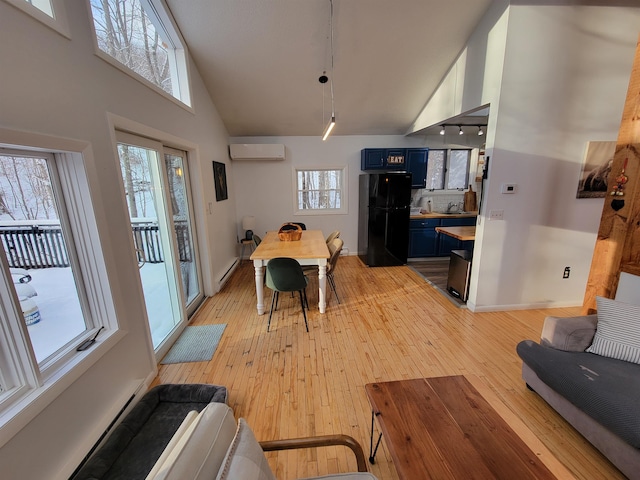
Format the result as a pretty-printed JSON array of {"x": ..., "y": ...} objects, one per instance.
[
  {"x": 383, "y": 220},
  {"x": 459, "y": 273}
]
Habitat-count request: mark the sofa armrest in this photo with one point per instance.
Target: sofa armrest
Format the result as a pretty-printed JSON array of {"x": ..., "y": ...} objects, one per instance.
[
  {"x": 319, "y": 441},
  {"x": 571, "y": 334}
]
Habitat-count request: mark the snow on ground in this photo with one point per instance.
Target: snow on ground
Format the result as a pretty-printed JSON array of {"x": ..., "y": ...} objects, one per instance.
[{"x": 61, "y": 316}]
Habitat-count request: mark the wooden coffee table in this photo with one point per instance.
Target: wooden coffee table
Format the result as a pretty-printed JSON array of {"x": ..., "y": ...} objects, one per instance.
[{"x": 455, "y": 427}]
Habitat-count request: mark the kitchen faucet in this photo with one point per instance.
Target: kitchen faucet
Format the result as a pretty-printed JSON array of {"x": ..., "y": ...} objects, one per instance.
[{"x": 458, "y": 206}]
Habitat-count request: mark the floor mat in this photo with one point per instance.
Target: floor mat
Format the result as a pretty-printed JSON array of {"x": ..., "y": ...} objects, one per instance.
[{"x": 196, "y": 344}]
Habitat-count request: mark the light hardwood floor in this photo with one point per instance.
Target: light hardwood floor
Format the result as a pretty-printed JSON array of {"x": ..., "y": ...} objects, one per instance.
[{"x": 390, "y": 325}]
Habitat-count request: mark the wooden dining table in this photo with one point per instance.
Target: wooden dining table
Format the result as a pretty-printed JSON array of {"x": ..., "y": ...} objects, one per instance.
[{"x": 311, "y": 249}]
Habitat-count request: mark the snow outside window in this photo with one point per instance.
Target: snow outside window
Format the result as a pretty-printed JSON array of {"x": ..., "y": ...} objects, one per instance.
[
  {"x": 139, "y": 35},
  {"x": 321, "y": 190},
  {"x": 53, "y": 284},
  {"x": 448, "y": 169}
]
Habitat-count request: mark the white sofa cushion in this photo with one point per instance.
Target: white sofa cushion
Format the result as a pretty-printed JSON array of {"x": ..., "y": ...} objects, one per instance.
[
  {"x": 245, "y": 459},
  {"x": 618, "y": 330},
  {"x": 178, "y": 439},
  {"x": 199, "y": 453}
]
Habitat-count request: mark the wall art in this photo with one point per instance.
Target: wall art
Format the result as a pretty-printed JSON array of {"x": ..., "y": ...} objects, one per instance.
[
  {"x": 220, "y": 178},
  {"x": 596, "y": 168}
]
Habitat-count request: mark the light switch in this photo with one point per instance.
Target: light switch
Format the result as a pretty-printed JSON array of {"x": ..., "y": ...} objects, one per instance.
[{"x": 496, "y": 214}]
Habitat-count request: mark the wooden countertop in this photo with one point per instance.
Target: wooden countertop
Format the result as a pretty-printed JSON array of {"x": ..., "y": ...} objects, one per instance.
[
  {"x": 461, "y": 233},
  {"x": 422, "y": 216}
]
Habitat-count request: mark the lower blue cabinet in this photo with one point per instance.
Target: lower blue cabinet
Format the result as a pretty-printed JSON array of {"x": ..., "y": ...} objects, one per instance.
[
  {"x": 448, "y": 243},
  {"x": 423, "y": 238},
  {"x": 424, "y": 241}
]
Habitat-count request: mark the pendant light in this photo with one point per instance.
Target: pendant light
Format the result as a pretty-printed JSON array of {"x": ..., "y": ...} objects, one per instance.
[
  {"x": 442, "y": 130},
  {"x": 332, "y": 122}
]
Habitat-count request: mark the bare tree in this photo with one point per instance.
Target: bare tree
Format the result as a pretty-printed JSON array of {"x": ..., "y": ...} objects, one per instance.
[
  {"x": 25, "y": 188},
  {"x": 137, "y": 178},
  {"x": 126, "y": 33}
]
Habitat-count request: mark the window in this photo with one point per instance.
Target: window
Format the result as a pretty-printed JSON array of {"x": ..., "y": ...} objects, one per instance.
[
  {"x": 38, "y": 252},
  {"x": 49, "y": 12},
  {"x": 42, "y": 5},
  {"x": 54, "y": 293},
  {"x": 321, "y": 190},
  {"x": 139, "y": 35},
  {"x": 448, "y": 169}
]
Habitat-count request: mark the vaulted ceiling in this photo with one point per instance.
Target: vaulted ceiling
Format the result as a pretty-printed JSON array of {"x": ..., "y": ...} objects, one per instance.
[{"x": 261, "y": 60}]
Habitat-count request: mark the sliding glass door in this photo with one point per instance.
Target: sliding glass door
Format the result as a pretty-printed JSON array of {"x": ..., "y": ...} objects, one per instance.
[
  {"x": 158, "y": 198},
  {"x": 179, "y": 194}
]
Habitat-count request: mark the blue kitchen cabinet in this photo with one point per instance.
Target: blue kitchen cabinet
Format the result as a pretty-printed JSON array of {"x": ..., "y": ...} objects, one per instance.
[
  {"x": 383, "y": 159},
  {"x": 423, "y": 238},
  {"x": 417, "y": 166},
  {"x": 447, "y": 243},
  {"x": 372, "y": 159},
  {"x": 396, "y": 159}
]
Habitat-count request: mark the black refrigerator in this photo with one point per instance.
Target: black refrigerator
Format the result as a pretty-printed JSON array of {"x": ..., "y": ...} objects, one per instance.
[{"x": 383, "y": 218}]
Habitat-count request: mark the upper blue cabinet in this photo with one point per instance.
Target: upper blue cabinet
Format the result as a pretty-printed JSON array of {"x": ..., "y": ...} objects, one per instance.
[
  {"x": 417, "y": 165},
  {"x": 383, "y": 159},
  {"x": 373, "y": 159},
  {"x": 413, "y": 160}
]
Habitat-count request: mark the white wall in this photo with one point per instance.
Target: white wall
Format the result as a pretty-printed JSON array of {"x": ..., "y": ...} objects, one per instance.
[
  {"x": 56, "y": 86},
  {"x": 474, "y": 79},
  {"x": 266, "y": 188},
  {"x": 563, "y": 83},
  {"x": 570, "y": 90}
]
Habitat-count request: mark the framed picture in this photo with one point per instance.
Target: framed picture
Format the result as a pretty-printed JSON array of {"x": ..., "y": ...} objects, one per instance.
[
  {"x": 220, "y": 179},
  {"x": 596, "y": 167}
]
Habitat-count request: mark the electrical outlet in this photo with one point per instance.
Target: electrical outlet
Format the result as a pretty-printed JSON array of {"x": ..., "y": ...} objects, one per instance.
[
  {"x": 567, "y": 272},
  {"x": 508, "y": 188}
]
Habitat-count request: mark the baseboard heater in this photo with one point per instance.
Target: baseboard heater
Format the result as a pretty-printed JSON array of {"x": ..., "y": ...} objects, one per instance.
[
  {"x": 106, "y": 432},
  {"x": 227, "y": 274}
]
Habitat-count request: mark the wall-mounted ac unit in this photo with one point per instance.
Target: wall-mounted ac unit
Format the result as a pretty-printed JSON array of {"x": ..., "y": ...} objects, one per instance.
[{"x": 256, "y": 151}]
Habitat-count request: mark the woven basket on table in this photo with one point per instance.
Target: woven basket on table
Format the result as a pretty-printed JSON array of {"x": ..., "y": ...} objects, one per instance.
[{"x": 290, "y": 232}]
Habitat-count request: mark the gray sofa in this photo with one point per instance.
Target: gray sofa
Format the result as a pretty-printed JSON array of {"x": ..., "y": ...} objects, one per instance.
[
  {"x": 599, "y": 396},
  {"x": 136, "y": 443},
  {"x": 187, "y": 432}
]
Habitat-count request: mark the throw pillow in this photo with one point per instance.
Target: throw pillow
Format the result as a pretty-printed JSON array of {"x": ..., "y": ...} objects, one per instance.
[
  {"x": 618, "y": 330},
  {"x": 245, "y": 458}
]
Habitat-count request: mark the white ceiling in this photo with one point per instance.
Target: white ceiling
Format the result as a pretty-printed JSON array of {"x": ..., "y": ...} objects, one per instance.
[{"x": 261, "y": 60}]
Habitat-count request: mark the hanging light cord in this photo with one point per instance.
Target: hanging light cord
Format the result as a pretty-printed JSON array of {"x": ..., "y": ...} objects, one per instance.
[
  {"x": 332, "y": 122},
  {"x": 333, "y": 112}
]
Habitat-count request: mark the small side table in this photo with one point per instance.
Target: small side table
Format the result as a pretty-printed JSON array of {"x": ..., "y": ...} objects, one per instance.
[{"x": 244, "y": 242}]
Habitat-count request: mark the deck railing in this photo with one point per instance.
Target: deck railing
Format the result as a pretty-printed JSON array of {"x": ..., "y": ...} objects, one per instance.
[
  {"x": 33, "y": 246},
  {"x": 42, "y": 246}
]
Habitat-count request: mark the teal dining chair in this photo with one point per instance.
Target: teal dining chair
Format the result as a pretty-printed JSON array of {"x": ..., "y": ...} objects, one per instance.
[
  {"x": 286, "y": 275},
  {"x": 256, "y": 240},
  {"x": 335, "y": 247}
]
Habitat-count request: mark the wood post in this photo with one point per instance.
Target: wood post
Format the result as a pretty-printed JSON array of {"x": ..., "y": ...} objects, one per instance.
[{"x": 618, "y": 245}]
